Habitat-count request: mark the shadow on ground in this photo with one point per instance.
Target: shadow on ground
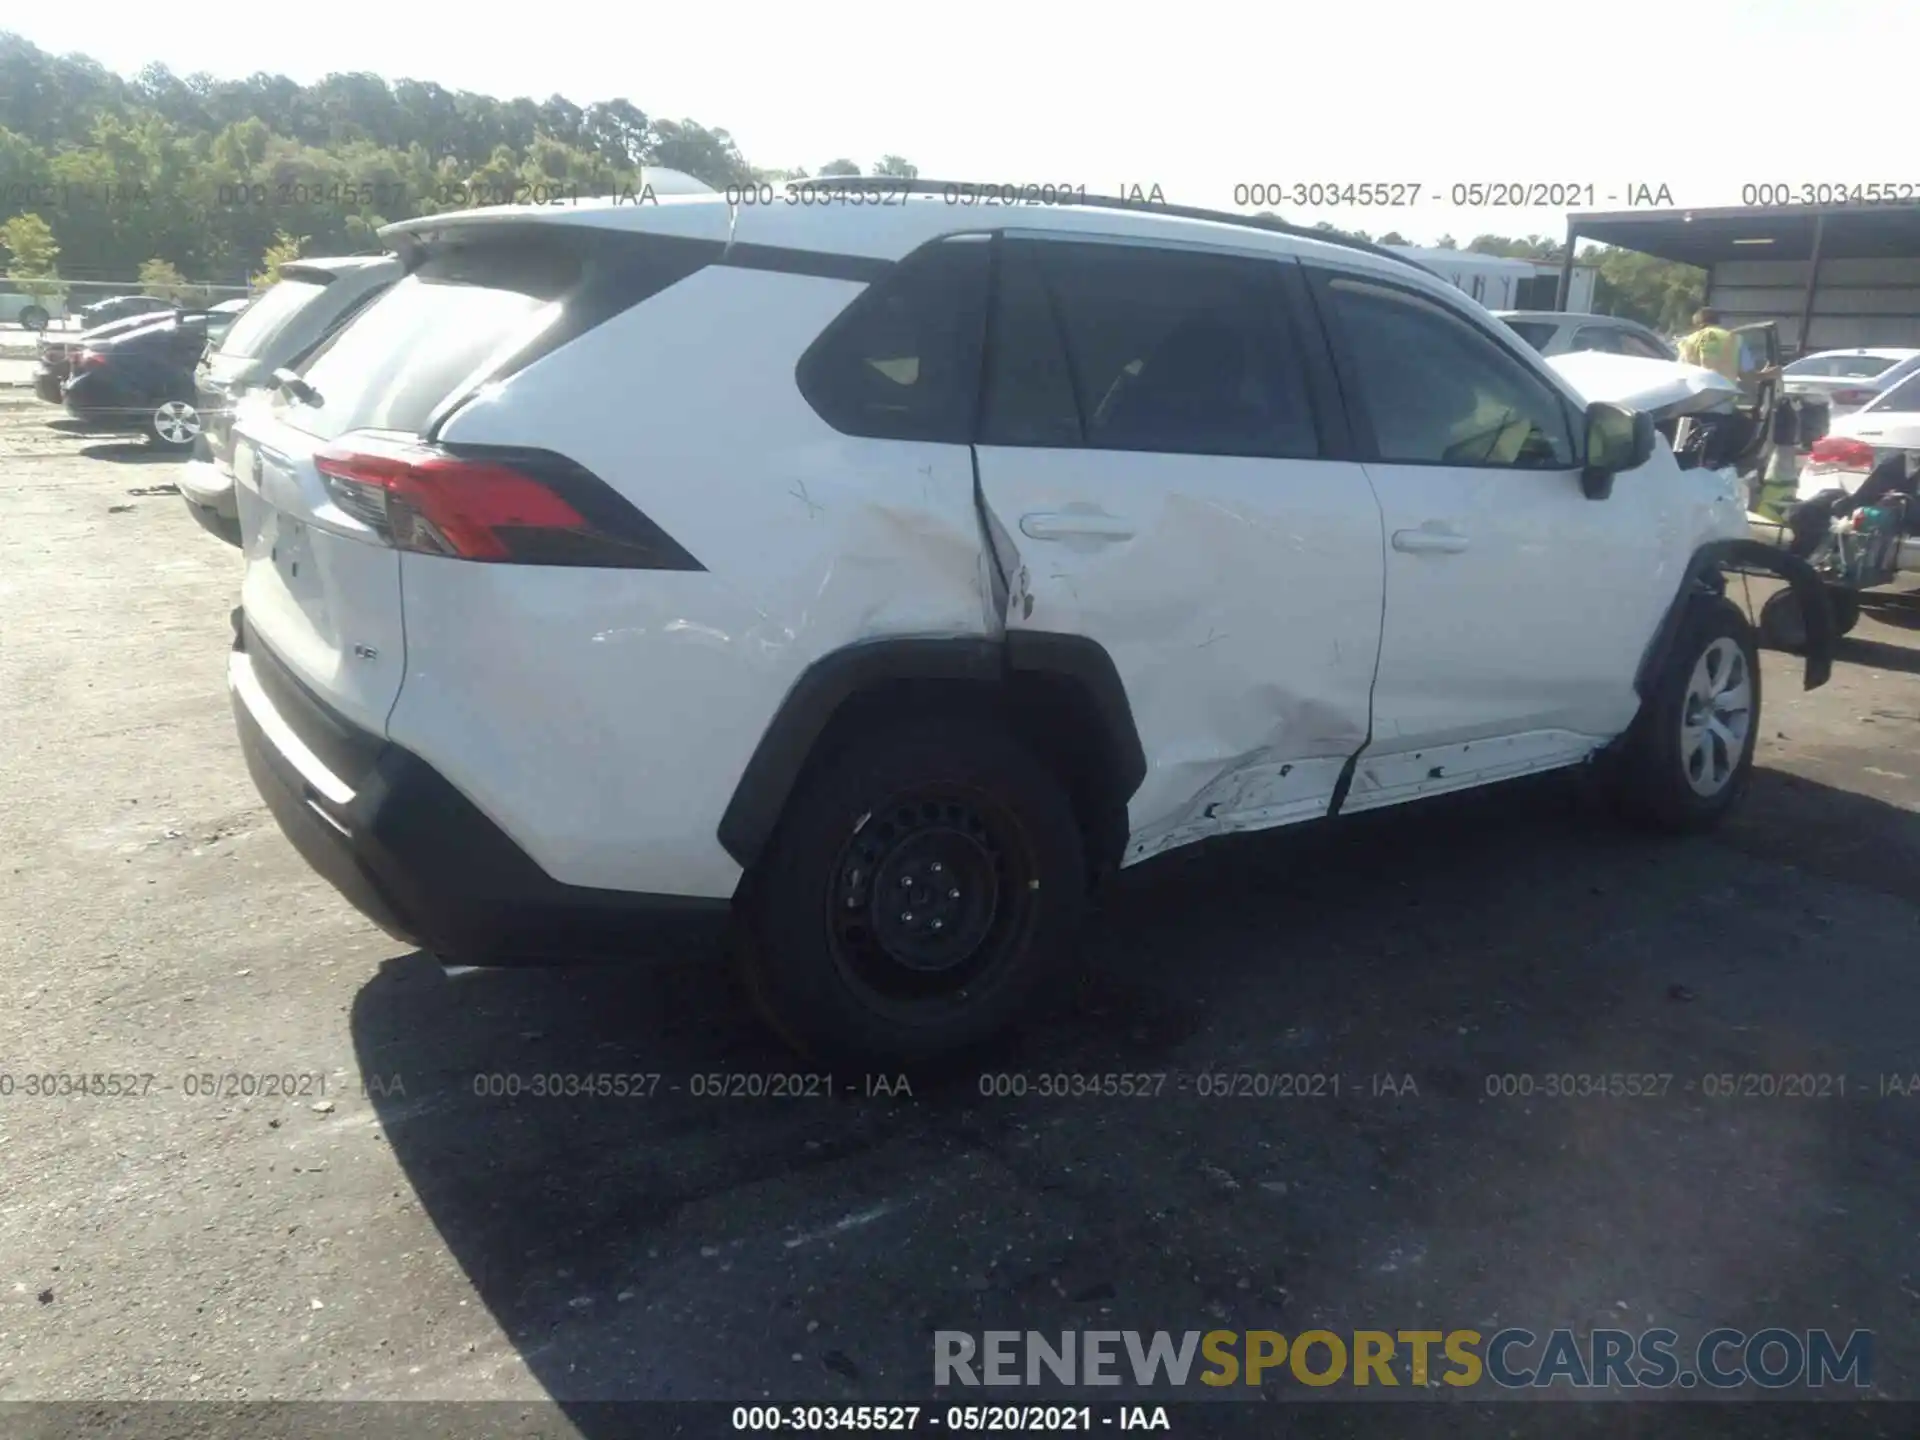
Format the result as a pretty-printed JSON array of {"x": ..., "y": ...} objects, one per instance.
[{"x": 685, "y": 1246}]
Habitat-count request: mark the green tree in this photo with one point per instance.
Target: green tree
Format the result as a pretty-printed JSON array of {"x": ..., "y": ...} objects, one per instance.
[
  {"x": 284, "y": 250},
  {"x": 32, "y": 251},
  {"x": 162, "y": 278},
  {"x": 896, "y": 165},
  {"x": 834, "y": 169},
  {"x": 1394, "y": 237}
]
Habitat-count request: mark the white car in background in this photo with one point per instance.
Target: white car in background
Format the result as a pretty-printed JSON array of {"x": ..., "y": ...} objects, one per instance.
[
  {"x": 1888, "y": 425},
  {"x": 1848, "y": 379}
]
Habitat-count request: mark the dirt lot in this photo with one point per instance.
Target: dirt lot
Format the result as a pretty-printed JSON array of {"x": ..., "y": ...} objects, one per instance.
[{"x": 401, "y": 1237}]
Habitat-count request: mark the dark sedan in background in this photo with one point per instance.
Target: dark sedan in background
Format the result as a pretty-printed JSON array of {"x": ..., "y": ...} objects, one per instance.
[{"x": 141, "y": 379}]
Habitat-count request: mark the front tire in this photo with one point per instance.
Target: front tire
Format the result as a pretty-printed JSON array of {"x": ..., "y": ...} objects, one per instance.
[
  {"x": 922, "y": 881},
  {"x": 1688, "y": 759}
]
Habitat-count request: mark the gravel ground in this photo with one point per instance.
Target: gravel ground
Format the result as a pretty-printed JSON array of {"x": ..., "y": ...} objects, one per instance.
[{"x": 386, "y": 1233}]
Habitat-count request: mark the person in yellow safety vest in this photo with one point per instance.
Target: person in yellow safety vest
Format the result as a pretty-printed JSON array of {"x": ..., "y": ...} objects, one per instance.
[{"x": 1712, "y": 345}]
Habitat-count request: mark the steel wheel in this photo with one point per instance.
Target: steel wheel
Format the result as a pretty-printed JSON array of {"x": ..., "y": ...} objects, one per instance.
[
  {"x": 177, "y": 423},
  {"x": 925, "y": 894},
  {"x": 1715, "y": 717}
]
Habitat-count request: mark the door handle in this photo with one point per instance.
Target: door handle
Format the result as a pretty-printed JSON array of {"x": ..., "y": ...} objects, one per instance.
[
  {"x": 1429, "y": 541},
  {"x": 1067, "y": 526}
]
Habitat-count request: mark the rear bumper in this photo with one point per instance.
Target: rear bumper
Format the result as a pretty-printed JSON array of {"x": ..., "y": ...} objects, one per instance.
[
  {"x": 416, "y": 857},
  {"x": 205, "y": 484}
]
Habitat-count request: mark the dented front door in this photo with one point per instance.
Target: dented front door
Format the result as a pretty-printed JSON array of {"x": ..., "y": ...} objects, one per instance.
[{"x": 1238, "y": 594}]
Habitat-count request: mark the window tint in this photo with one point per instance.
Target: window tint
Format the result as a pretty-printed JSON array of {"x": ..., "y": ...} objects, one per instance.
[
  {"x": 1438, "y": 391},
  {"x": 1165, "y": 351},
  {"x": 1537, "y": 333},
  {"x": 1632, "y": 343},
  {"x": 903, "y": 361},
  {"x": 1596, "y": 337},
  {"x": 268, "y": 317}
]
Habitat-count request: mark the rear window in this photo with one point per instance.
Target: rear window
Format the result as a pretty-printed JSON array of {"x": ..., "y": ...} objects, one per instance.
[
  {"x": 268, "y": 317},
  {"x": 1903, "y": 397},
  {"x": 1536, "y": 333},
  {"x": 486, "y": 299},
  {"x": 461, "y": 313},
  {"x": 1849, "y": 367}
]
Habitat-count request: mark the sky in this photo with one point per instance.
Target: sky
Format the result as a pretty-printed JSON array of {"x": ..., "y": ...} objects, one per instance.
[{"x": 1701, "y": 97}]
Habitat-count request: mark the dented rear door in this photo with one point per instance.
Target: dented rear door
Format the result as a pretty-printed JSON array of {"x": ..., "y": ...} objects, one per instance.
[{"x": 1152, "y": 463}]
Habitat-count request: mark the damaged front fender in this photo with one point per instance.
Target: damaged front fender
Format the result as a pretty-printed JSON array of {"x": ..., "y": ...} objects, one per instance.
[{"x": 1706, "y": 573}]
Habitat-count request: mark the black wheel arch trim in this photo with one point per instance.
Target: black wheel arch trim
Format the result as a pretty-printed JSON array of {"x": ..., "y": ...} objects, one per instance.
[
  {"x": 831, "y": 681},
  {"x": 1705, "y": 574}
]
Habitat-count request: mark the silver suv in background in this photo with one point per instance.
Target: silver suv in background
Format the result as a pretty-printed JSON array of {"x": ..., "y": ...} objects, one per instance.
[
  {"x": 279, "y": 330},
  {"x": 1555, "y": 332}
]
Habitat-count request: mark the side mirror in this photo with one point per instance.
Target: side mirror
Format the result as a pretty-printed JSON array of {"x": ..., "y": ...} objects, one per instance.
[{"x": 1617, "y": 439}]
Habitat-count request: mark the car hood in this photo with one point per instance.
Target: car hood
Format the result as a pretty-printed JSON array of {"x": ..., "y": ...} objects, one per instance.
[{"x": 1663, "y": 388}]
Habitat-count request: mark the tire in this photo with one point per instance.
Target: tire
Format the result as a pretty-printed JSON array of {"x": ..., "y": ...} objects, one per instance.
[
  {"x": 1682, "y": 777},
  {"x": 34, "y": 317},
  {"x": 173, "y": 425},
  {"x": 848, "y": 982}
]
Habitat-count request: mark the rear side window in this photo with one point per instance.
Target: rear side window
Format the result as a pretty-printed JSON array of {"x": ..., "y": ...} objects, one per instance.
[
  {"x": 1537, "y": 333},
  {"x": 1597, "y": 337},
  {"x": 268, "y": 317},
  {"x": 1633, "y": 343},
  {"x": 478, "y": 305},
  {"x": 1169, "y": 351},
  {"x": 902, "y": 362}
]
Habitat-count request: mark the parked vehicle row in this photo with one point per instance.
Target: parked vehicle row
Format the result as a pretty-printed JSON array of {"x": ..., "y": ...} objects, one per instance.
[
  {"x": 1848, "y": 380},
  {"x": 617, "y": 575}
]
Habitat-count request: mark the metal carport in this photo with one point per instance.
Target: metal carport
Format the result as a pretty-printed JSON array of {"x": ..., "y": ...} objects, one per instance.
[{"x": 1837, "y": 276}]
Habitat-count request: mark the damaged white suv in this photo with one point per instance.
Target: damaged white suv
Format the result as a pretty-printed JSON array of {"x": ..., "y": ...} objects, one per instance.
[{"x": 875, "y": 571}]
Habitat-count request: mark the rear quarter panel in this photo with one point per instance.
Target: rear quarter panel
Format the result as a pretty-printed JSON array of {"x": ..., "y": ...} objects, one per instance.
[{"x": 604, "y": 717}]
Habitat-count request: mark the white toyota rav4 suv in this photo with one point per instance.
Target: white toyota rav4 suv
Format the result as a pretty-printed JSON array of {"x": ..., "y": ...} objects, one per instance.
[{"x": 879, "y": 571}]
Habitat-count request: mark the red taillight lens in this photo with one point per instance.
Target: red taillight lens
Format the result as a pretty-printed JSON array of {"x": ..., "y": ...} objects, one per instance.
[
  {"x": 524, "y": 507},
  {"x": 89, "y": 360},
  {"x": 441, "y": 504},
  {"x": 1839, "y": 453}
]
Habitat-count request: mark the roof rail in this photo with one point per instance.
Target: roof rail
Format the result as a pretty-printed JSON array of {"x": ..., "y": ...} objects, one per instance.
[{"x": 1270, "y": 223}]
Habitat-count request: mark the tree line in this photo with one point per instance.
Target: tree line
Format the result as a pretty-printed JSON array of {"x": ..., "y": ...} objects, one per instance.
[{"x": 197, "y": 179}]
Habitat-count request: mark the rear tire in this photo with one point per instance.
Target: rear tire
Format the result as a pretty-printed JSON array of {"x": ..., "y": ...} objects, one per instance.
[
  {"x": 922, "y": 881},
  {"x": 1688, "y": 758},
  {"x": 173, "y": 425}
]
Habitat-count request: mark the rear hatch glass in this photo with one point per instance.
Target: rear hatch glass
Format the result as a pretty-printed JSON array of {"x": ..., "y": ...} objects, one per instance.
[{"x": 322, "y": 588}]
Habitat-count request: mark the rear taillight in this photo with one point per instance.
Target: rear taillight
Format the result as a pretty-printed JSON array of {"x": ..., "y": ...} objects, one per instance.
[
  {"x": 1853, "y": 397},
  {"x": 1838, "y": 453},
  {"x": 89, "y": 360},
  {"x": 512, "y": 506}
]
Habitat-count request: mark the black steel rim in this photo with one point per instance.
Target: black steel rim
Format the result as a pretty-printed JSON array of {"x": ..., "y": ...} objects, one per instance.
[{"x": 929, "y": 896}]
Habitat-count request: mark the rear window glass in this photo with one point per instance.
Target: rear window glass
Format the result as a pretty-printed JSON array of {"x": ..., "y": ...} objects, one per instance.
[
  {"x": 1903, "y": 397},
  {"x": 1851, "y": 367},
  {"x": 268, "y": 317},
  {"x": 1536, "y": 333},
  {"x": 459, "y": 315}
]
